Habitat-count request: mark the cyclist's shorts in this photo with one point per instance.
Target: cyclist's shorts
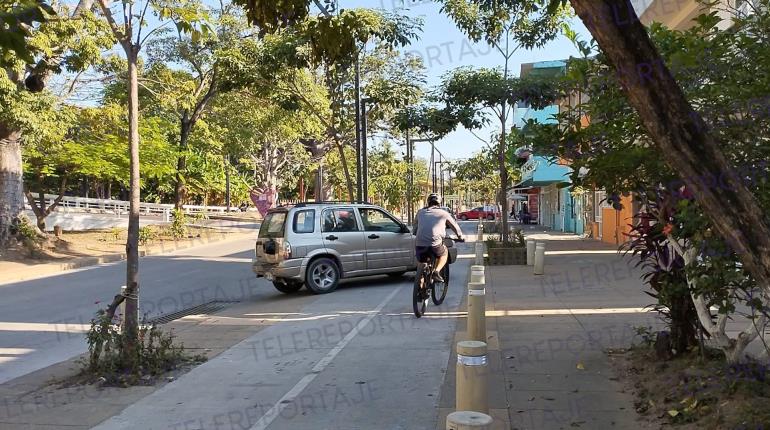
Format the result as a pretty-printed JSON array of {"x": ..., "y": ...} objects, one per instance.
[{"x": 424, "y": 252}]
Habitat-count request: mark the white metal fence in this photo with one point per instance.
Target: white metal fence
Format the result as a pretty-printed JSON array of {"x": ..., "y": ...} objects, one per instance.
[{"x": 120, "y": 207}]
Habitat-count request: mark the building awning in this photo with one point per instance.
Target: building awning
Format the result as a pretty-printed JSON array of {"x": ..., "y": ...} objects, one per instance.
[{"x": 531, "y": 182}]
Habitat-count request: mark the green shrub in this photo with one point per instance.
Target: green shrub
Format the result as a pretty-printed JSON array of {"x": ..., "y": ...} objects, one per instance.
[
  {"x": 115, "y": 232},
  {"x": 199, "y": 216},
  {"x": 28, "y": 235},
  {"x": 178, "y": 228},
  {"x": 155, "y": 353},
  {"x": 147, "y": 234},
  {"x": 517, "y": 238},
  {"x": 492, "y": 241}
]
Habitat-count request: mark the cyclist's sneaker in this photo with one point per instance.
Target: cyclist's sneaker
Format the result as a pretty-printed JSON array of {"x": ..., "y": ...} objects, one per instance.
[{"x": 437, "y": 278}]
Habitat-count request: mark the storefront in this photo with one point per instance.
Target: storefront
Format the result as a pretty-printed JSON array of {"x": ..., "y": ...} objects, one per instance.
[{"x": 546, "y": 184}]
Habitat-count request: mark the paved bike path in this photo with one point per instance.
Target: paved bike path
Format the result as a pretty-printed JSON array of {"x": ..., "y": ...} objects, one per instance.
[{"x": 356, "y": 358}]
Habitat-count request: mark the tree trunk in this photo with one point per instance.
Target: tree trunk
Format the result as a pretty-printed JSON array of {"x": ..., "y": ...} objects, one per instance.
[
  {"x": 348, "y": 180},
  {"x": 678, "y": 131},
  {"x": 11, "y": 194},
  {"x": 302, "y": 189},
  {"x": 132, "y": 242},
  {"x": 684, "y": 322},
  {"x": 180, "y": 190},
  {"x": 38, "y": 208},
  {"x": 503, "y": 180}
]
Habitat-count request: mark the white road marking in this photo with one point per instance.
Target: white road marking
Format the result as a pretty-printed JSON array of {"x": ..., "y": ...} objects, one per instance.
[{"x": 303, "y": 383}]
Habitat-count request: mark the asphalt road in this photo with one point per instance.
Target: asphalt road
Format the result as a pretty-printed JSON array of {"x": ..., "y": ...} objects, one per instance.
[{"x": 42, "y": 321}]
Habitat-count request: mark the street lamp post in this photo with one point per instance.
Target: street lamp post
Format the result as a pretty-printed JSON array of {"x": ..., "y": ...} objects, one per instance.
[
  {"x": 410, "y": 156},
  {"x": 364, "y": 152}
]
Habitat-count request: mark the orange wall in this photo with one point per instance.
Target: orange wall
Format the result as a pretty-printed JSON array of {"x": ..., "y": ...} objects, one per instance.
[{"x": 615, "y": 224}]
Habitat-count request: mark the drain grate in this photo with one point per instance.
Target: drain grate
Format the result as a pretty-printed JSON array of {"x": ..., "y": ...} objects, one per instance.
[{"x": 205, "y": 308}]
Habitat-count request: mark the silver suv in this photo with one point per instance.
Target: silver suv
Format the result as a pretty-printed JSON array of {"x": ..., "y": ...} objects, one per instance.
[{"x": 317, "y": 244}]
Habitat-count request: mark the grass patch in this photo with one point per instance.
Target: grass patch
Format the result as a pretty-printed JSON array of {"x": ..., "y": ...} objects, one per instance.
[{"x": 697, "y": 391}]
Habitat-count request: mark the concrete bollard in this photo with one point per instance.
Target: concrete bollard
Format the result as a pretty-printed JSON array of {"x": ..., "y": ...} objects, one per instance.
[
  {"x": 479, "y": 260},
  {"x": 477, "y": 274},
  {"x": 471, "y": 379},
  {"x": 477, "y": 312},
  {"x": 468, "y": 420},
  {"x": 480, "y": 231},
  {"x": 530, "y": 252},
  {"x": 539, "y": 258}
]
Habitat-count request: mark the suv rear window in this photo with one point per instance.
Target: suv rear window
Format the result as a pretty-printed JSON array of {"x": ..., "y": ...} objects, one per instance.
[
  {"x": 304, "y": 221},
  {"x": 273, "y": 225}
]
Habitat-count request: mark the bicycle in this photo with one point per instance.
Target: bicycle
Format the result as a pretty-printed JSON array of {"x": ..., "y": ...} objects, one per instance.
[{"x": 425, "y": 288}]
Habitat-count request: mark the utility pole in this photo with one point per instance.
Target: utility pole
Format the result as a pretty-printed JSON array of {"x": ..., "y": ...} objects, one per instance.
[
  {"x": 433, "y": 164},
  {"x": 364, "y": 151},
  {"x": 359, "y": 188},
  {"x": 441, "y": 164},
  {"x": 409, "y": 179},
  {"x": 227, "y": 182}
]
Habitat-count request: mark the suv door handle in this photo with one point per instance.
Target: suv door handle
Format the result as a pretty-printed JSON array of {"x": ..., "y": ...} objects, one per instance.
[
  {"x": 373, "y": 236},
  {"x": 331, "y": 237}
]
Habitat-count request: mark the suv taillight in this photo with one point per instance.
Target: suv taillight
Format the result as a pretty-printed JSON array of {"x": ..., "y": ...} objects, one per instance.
[{"x": 286, "y": 250}]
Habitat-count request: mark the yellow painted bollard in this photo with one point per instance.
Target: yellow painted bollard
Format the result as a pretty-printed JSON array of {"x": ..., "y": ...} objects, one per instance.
[
  {"x": 477, "y": 274},
  {"x": 477, "y": 314},
  {"x": 468, "y": 420},
  {"x": 471, "y": 383},
  {"x": 539, "y": 258},
  {"x": 530, "y": 252}
]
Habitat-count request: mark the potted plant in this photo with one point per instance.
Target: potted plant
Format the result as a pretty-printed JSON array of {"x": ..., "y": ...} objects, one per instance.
[{"x": 506, "y": 254}]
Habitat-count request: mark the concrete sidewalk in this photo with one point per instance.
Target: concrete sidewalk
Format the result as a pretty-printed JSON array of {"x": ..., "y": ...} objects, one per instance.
[{"x": 548, "y": 337}]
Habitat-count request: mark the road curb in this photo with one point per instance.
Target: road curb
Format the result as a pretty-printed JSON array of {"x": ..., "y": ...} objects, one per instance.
[{"x": 46, "y": 269}]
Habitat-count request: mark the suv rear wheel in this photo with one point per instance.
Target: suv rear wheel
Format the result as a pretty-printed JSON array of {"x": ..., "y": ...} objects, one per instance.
[
  {"x": 322, "y": 276},
  {"x": 287, "y": 287}
]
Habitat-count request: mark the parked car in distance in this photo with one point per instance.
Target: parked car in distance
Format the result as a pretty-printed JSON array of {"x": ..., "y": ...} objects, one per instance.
[
  {"x": 317, "y": 244},
  {"x": 476, "y": 213}
]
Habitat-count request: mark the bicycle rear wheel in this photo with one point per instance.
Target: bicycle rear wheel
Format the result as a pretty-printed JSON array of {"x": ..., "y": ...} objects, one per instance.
[
  {"x": 419, "y": 298},
  {"x": 438, "y": 292}
]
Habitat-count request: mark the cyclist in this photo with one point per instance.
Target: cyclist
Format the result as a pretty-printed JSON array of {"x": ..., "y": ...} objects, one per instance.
[{"x": 430, "y": 226}]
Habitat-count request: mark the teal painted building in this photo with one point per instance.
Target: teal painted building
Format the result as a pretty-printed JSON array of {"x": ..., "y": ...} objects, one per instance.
[{"x": 546, "y": 181}]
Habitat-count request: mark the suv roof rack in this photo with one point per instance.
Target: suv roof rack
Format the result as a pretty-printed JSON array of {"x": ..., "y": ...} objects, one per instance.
[{"x": 326, "y": 202}]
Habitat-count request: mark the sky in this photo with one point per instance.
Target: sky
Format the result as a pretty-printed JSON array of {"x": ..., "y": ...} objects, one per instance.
[{"x": 443, "y": 47}]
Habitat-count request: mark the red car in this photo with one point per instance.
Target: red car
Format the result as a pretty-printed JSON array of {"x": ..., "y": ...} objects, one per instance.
[{"x": 477, "y": 213}]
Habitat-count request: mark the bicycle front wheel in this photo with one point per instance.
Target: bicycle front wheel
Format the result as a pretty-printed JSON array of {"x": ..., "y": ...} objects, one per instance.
[{"x": 438, "y": 292}]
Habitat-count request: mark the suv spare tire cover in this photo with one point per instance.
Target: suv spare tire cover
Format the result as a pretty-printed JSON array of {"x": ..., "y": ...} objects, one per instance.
[{"x": 270, "y": 247}]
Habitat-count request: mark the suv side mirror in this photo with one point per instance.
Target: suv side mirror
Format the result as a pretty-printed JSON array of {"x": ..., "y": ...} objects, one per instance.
[{"x": 405, "y": 229}]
